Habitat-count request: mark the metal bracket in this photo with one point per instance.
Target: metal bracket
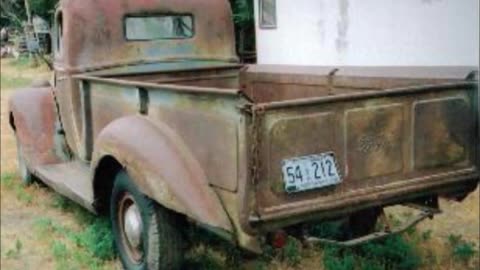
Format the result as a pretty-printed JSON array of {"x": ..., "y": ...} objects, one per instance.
[{"x": 424, "y": 213}]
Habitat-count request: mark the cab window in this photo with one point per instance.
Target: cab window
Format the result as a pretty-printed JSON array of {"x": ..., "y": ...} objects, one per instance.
[
  {"x": 142, "y": 28},
  {"x": 59, "y": 34}
]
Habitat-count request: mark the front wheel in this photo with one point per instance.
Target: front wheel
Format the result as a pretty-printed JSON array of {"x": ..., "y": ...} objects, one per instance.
[{"x": 145, "y": 233}]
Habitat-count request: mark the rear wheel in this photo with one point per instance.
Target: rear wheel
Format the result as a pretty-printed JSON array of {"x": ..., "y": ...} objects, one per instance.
[
  {"x": 146, "y": 234},
  {"x": 25, "y": 174}
]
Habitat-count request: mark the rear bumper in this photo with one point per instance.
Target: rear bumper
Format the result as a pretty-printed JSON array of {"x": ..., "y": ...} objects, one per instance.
[{"x": 343, "y": 204}]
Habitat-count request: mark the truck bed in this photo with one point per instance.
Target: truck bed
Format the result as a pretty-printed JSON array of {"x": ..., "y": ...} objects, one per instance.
[
  {"x": 396, "y": 133},
  {"x": 272, "y": 83}
]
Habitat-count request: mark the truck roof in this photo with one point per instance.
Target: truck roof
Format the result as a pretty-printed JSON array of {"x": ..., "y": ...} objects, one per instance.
[{"x": 94, "y": 35}]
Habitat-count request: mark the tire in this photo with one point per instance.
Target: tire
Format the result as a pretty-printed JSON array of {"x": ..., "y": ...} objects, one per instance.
[
  {"x": 158, "y": 244},
  {"x": 25, "y": 174}
]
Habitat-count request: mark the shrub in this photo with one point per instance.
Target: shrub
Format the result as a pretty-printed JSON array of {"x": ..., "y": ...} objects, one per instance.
[
  {"x": 292, "y": 251},
  {"x": 391, "y": 253},
  {"x": 329, "y": 230},
  {"x": 462, "y": 251},
  {"x": 97, "y": 239}
]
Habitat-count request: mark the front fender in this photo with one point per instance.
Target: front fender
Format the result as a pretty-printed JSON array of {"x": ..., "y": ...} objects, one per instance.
[
  {"x": 162, "y": 167},
  {"x": 33, "y": 116}
]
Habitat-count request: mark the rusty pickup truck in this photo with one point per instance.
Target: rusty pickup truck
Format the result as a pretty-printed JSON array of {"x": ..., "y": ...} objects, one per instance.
[{"x": 151, "y": 119}]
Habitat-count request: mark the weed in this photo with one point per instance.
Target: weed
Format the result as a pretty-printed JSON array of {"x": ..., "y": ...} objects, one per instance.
[
  {"x": 335, "y": 259},
  {"x": 86, "y": 259},
  {"x": 22, "y": 195},
  {"x": 91, "y": 247},
  {"x": 61, "y": 255},
  {"x": 394, "y": 251},
  {"x": 60, "y": 202},
  {"x": 15, "y": 252},
  {"x": 268, "y": 253},
  {"x": 462, "y": 250},
  {"x": 291, "y": 252},
  {"x": 205, "y": 260},
  {"x": 260, "y": 265},
  {"x": 329, "y": 229},
  {"x": 7, "y": 180},
  {"x": 22, "y": 62},
  {"x": 59, "y": 250},
  {"x": 391, "y": 253},
  {"x": 81, "y": 215},
  {"x": 43, "y": 225},
  {"x": 233, "y": 255},
  {"x": 97, "y": 239},
  {"x": 454, "y": 239},
  {"x": 426, "y": 235},
  {"x": 47, "y": 226}
]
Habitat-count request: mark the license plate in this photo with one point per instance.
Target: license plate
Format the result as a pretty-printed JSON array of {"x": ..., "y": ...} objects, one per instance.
[{"x": 309, "y": 172}]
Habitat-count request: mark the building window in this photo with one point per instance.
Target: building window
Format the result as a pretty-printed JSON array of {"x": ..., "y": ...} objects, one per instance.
[{"x": 268, "y": 14}]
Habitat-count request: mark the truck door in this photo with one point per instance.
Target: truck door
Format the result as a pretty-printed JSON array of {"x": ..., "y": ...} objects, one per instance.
[{"x": 67, "y": 92}]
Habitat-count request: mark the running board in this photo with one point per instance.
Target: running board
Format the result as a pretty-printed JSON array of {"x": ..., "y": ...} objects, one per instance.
[{"x": 71, "y": 179}]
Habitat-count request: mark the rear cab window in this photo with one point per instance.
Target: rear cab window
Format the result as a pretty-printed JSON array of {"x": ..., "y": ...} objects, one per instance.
[{"x": 155, "y": 27}]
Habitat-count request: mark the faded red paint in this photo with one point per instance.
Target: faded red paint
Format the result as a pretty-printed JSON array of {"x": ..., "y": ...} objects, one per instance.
[
  {"x": 34, "y": 115},
  {"x": 94, "y": 34},
  {"x": 163, "y": 167}
]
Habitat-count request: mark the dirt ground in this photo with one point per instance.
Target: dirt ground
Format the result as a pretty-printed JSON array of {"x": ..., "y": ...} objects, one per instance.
[{"x": 18, "y": 218}]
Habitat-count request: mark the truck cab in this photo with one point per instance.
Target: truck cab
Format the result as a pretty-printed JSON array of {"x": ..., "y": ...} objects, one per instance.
[{"x": 152, "y": 121}]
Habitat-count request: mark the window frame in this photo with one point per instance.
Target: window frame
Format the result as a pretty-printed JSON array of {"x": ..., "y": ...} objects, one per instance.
[
  {"x": 147, "y": 15},
  {"x": 261, "y": 20},
  {"x": 59, "y": 34}
]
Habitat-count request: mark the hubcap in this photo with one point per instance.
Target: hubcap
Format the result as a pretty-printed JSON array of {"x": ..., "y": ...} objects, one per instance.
[{"x": 131, "y": 226}]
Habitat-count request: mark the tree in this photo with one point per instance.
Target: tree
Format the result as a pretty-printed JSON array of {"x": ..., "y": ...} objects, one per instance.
[
  {"x": 243, "y": 17},
  {"x": 12, "y": 13},
  {"x": 44, "y": 8}
]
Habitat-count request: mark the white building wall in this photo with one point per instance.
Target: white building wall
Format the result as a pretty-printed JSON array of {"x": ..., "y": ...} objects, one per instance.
[{"x": 371, "y": 32}]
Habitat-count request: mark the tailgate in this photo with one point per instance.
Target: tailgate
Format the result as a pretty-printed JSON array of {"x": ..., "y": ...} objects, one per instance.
[{"x": 387, "y": 144}]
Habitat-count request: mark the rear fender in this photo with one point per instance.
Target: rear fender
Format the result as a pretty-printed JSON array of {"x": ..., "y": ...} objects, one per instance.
[
  {"x": 33, "y": 117},
  {"x": 162, "y": 167}
]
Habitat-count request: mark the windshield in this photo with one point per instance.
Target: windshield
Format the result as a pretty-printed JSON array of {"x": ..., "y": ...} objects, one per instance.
[{"x": 158, "y": 27}]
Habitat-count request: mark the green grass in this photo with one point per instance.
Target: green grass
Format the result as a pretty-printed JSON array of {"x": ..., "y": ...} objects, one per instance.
[
  {"x": 7, "y": 180},
  {"x": 14, "y": 253},
  {"x": 291, "y": 253},
  {"x": 89, "y": 248},
  {"x": 96, "y": 238},
  {"x": 22, "y": 62},
  {"x": 8, "y": 82},
  {"x": 11, "y": 81},
  {"x": 11, "y": 182}
]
